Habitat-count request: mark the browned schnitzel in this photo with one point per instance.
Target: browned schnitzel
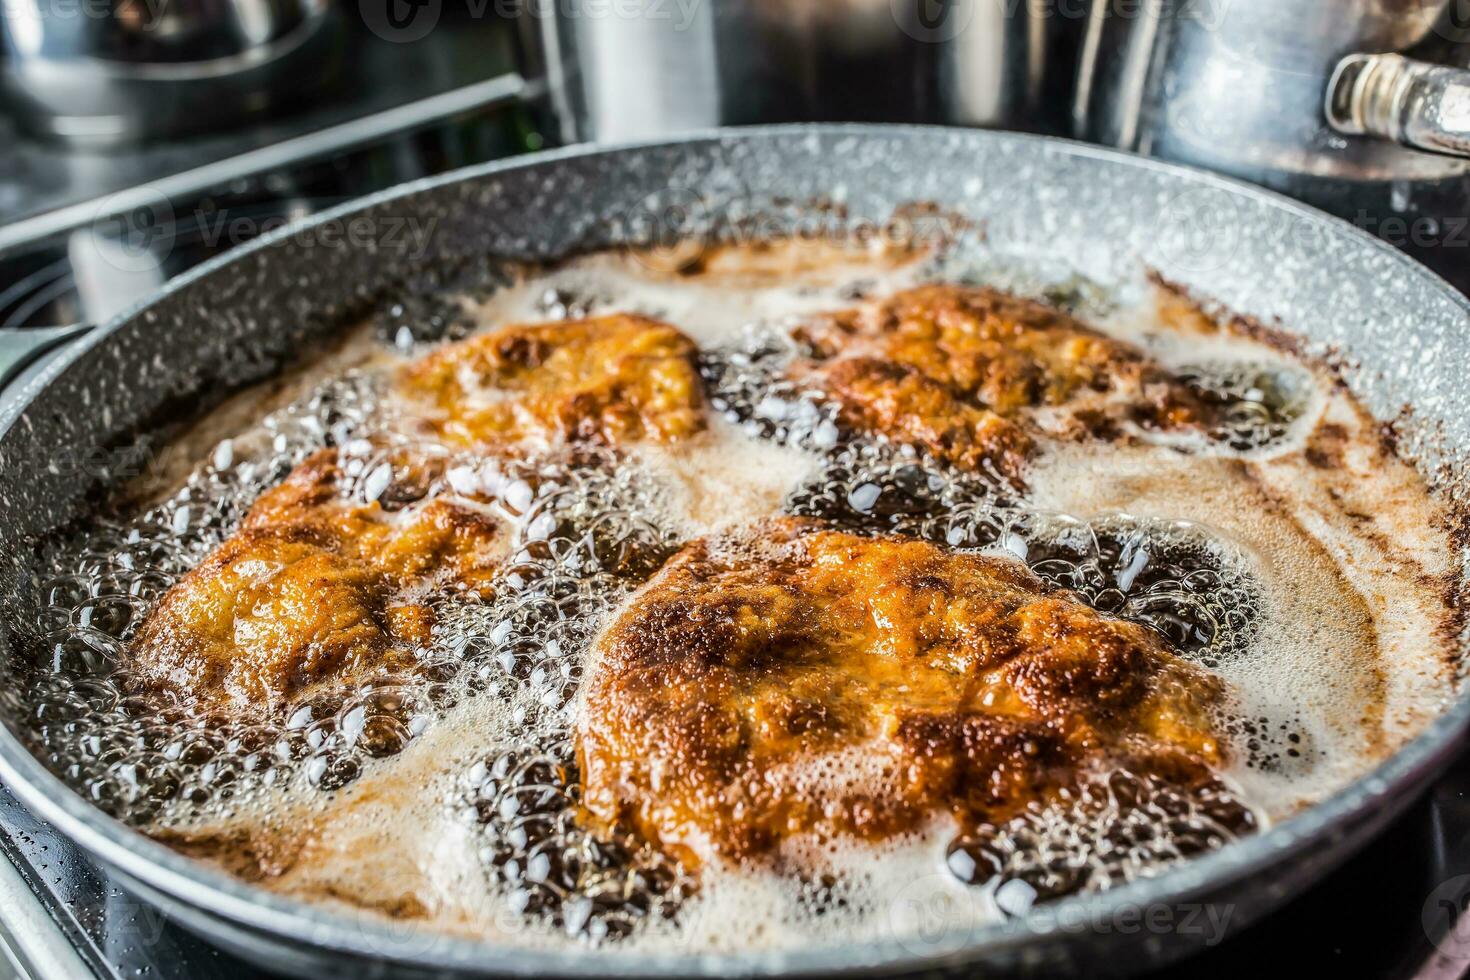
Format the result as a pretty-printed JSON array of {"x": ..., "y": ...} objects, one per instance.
[
  {"x": 318, "y": 588},
  {"x": 960, "y": 371},
  {"x": 314, "y": 588},
  {"x": 612, "y": 379},
  {"x": 799, "y": 681}
]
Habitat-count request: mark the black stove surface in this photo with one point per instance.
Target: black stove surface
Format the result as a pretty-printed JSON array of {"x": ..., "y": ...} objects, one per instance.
[
  {"x": 115, "y": 935},
  {"x": 373, "y": 75}
]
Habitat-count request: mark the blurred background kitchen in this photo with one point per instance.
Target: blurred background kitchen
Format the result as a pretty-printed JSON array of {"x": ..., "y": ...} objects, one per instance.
[{"x": 140, "y": 137}]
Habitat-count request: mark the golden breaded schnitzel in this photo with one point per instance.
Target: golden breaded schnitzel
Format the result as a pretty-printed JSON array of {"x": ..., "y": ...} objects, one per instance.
[
  {"x": 612, "y": 379},
  {"x": 314, "y": 588},
  {"x": 795, "y": 681},
  {"x": 960, "y": 371}
]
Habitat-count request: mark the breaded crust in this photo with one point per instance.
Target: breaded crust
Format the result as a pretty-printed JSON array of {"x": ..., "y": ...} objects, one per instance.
[
  {"x": 612, "y": 379},
  {"x": 960, "y": 371},
  {"x": 314, "y": 588},
  {"x": 796, "y": 681}
]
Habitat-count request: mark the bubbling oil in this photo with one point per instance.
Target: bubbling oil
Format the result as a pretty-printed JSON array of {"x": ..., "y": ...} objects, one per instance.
[
  {"x": 1113, "y": 828},
  {"x": 587, "y": 528}
]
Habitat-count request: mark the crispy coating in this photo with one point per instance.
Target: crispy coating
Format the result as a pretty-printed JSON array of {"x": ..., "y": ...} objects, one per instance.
[
  {"x": 960, "y": 371},
  {"x": 612, "y": 379},
  {"x": 802, "y": 681},
  {"x": 404, "y": 534},
  {"x": 313, "y": 589}
]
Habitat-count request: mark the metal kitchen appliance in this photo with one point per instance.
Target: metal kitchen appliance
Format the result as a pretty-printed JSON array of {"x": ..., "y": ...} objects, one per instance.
[
  {"x": 679, "y": 65},
  {"x": 106, "y": 71},
  {"x": 1359, "y": 107}
]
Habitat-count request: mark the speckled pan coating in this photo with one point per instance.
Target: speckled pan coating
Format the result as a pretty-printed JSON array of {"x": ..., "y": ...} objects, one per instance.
[{"x": 1402, "y": 335}]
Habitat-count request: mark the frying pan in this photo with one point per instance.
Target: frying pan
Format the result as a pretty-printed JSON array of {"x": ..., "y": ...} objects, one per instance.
[{"x": 1400, "y": 335}]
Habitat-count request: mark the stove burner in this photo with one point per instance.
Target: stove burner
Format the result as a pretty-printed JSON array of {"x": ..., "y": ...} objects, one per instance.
[
  {"x": 45, "y": 296},
  {"x": 99, "y": 270}
]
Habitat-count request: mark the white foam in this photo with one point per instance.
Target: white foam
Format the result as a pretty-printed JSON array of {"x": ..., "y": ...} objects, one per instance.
[
  {"x": 723, "y": 477},
  {"x": 710, "y": 311}
]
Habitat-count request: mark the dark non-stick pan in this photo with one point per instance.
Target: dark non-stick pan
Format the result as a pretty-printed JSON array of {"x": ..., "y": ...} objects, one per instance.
[{"x": 1401, "y": 335}]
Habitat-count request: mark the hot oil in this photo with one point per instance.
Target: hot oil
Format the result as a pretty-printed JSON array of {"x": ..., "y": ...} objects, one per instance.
[
  {"x": 130, "y": 756},
  {"x": 476, "y": 746}
]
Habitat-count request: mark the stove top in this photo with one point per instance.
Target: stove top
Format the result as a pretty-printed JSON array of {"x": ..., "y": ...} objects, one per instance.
[
  {"x": 388, "y": 85},
  {"x": 80, "y": 239}
]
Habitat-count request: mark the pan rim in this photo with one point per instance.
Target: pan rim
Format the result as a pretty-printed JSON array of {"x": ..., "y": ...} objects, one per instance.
[{"x": 224, "y": 896}]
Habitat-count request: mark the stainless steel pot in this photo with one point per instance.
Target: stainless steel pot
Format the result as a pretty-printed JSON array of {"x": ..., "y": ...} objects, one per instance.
[
  {"x": 1056, "y": 208},
  {"x": 1359, "y": 107},
  {"x": 649, "y": 68},
  {"x": 1258, "y": 87},
  {"x": 103, "y": 71}
]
